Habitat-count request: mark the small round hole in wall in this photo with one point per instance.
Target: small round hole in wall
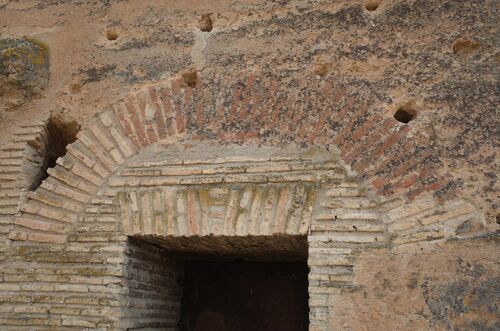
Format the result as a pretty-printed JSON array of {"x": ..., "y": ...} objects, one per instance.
[
  {"x": 405, "y": 114},
  {"x": 190, "y": 77},
  {"x": 111, "y": 35},
  {"x": 372, "y": 5},
  {"x": 465, "y": 46},
  {"x": 206, "y": 23}
]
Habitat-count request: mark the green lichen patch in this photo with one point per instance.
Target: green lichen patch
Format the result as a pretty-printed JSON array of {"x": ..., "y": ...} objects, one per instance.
[{"x": 24, "y": 69}]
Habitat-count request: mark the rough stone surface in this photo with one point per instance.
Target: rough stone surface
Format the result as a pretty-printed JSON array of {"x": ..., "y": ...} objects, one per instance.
[
  {"x": 249, "y": 118},
  {"x": 456, "y": 289},
  {"x": 24, "y": 71}
]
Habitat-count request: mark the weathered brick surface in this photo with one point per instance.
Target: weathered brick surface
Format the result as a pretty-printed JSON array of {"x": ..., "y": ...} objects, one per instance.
[
  {"x": 154, "y": 291},
  {"x": 259, "y": 194},
  {"x": 136, "y": 171},
  {"x": 19, "y": 164},
  {"x": 401, "y": 238}
]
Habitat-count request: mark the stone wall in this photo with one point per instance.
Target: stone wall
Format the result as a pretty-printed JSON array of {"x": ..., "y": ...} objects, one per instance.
[
  {"x": 154, "y": 284},
  {"x": 21, "y": 163},
  {"x": 435, "y": 286},
  {"x": 184, "y": 189},
  {"x": 395, "y": 218}
]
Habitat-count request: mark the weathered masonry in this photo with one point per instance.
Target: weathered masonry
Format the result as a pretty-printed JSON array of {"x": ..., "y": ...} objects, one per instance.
[{"x": 100, "y": 243}]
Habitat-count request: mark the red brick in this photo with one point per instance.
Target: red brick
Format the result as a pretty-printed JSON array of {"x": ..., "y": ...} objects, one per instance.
[
  {"x": 165, "y": 98},
  {"x": 362, "y": 130},
  {"x": 298, "y": 115},
  {"x": 251, "y": 134},
  {"x": 281, "y": 211},
  {"x": 391, "y": 140},
  {"x": 360, "y": 135},
  {"x": 251, "y": 80},
  {"x": 233, "y": 110},
  {"x": 246, "y": 98},
  {"x": 320, "y": 124},
  {"x": 130, "y": 104},
  {"x": 139, "y": 130},
  {"x": 200, "y": 109},
  {"x": 168, "y": 112},
  {"x": 275, "y": 114},
  {"x": 339, "y": 93},
  {"x": 265, "y": 110},
  {"x": 349, "y": 102},
  {"x": 220, "y": 111},
  {"x": 192, "y": 215},
  {"x": 141, "y": 102},
  {"x": 255, "y": 110},
  {"x": 47, "y": 237},
  {"x": 290, "y": 111},
  {"x": 404, "y": 153},
  {"x": 137, "y": 123},
  {"x": 379, "y": 183},
  {"x": 149, "y": 124},
  {"x": 354, "y": 156},
  {"x": 119, "y": 109},
  {"x": 412, "y": 163},
  {"x": 187, "y": 105},
  {"x": 159, "y": 116},
  {"x": 180, "y": 124},
  {"x": 322, "y": 139},
  {"x": 407, "y": 182},
  {"x": 347, "y": 129},
  {"x": 419, "y": 190},
  {"x": 381, "y": 148}
]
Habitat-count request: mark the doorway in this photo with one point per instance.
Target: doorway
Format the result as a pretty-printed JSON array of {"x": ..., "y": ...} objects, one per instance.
[
  {"x": 245, "y": 296},
  {"x": 218, "y": 283}
]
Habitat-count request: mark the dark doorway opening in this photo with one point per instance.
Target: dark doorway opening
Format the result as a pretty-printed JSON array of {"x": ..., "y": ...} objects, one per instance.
[
  {"x": 245, "y": 296},
  {"x": 236, "y": 283}
]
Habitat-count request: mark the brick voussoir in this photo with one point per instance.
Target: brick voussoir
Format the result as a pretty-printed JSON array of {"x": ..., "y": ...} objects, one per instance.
[
  {"x": 81, "y": 153},
  {"x": 72, "y": 180},
  {"x": 45, "y": 237},
  {"x": 38, "y": 208},
  {"x": 37, "y": 222},
  {"x": 151, "y": 94},
  {"x": 55, "y": 200},
  {"x": 147, "y": 115},
  {"x": 87, "y": 138},
  {"x": 134, "y": 115},
  {"x": 100, "y": 135},
  {"x": 119, "y": 109},
  {"x": 167, "y": 108},
  {"x": 60, "y": 188}
]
